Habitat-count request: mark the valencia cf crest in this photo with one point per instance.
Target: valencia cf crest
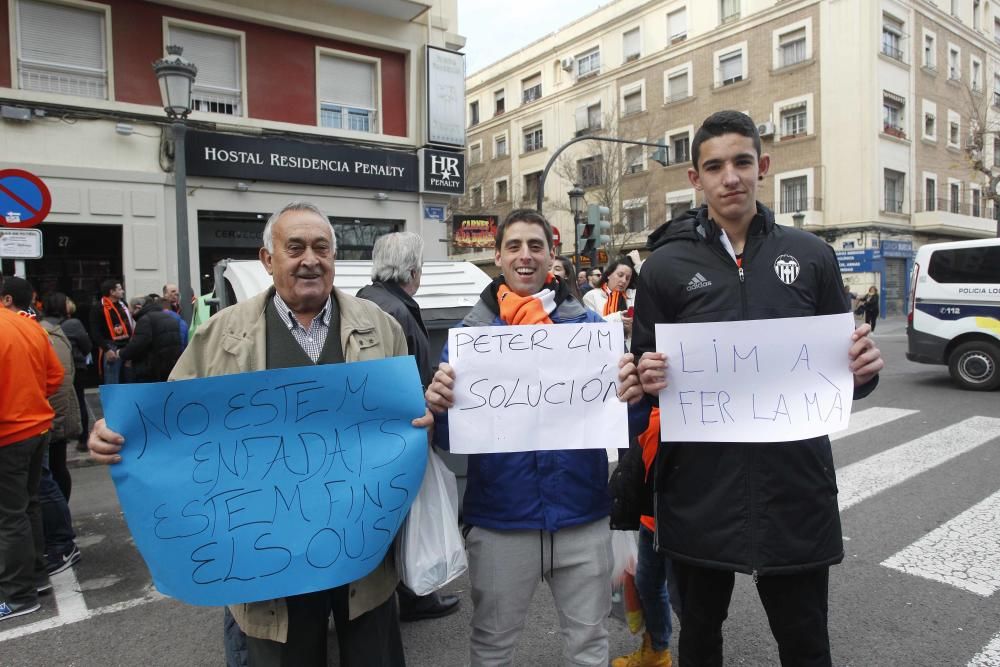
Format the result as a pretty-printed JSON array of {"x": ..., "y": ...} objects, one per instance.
[{"x": 786, "y": 268}]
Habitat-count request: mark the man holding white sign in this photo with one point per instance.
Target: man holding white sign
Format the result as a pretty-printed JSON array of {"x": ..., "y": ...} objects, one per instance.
[
  {"x": 740, "y": 501},
  {"x": 539, "y": 404}
]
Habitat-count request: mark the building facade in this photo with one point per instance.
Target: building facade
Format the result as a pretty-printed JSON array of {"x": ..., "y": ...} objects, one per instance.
[
  {"x": 306, "y": 100},
  {"x": 865, "y": 108}
]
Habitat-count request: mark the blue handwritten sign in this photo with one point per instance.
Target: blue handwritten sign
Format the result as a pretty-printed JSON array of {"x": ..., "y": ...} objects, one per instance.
[{"x": 262, "y": 485}]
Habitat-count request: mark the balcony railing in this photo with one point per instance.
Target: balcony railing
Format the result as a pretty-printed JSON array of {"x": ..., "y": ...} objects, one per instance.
[
  {"x": 793, "y": 204},
  {"x": 893, "y": 130},
  {"x": 945, "y": 205},
  {"x": 892, "y": 51}
]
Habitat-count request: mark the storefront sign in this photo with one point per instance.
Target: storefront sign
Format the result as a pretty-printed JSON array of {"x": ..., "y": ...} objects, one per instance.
[
  {"x": 254, "y": 158},
  {"x": 442, "y": 172},
  {"x": 434, "y": 213},
  {"x": 218, "y": 233},
  {"x": 445, "y": 97},
  {"x": 20, "y": 243},
  {"x": 897, "y": 248},
  {"x": 474, "y": 232},
  {"x": 857, "y": 261}
]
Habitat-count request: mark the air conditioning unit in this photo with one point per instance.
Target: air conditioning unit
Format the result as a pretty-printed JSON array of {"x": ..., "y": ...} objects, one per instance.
[
  {"x": 566, "y": 63},
  {"x": 766, "y": 129}
]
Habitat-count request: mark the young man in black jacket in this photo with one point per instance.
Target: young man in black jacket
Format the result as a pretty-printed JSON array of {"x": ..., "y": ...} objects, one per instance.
[{"x": 769, "y": 510}]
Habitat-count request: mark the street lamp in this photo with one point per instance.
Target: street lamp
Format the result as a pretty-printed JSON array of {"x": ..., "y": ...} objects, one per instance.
[
  {"x": 176, "y": 76},
  {"x": 797, "y": 219},
  {"x": 577, "y": 204}
]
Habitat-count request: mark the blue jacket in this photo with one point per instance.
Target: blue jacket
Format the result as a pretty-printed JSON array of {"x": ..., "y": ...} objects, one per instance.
[{"x": 543, "y": 490}]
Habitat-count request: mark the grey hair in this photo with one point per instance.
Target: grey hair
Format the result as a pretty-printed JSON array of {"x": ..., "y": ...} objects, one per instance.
[
  {"x": 396, "y": 257},
  {"x": 268, "y": 236}
]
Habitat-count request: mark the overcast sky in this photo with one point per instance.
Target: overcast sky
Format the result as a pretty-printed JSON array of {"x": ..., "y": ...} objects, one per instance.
[{"x": 496, "y": 28}]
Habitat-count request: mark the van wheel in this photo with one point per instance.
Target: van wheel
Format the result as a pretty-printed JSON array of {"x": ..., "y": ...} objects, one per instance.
[{"x": 975, "y": 365}]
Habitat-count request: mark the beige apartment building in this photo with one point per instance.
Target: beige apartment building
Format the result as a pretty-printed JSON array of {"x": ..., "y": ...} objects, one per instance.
[{"x": 867, "y": 108}]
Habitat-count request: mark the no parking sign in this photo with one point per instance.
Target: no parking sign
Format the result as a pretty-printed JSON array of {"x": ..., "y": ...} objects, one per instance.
[{"x": 24, "y": 198}]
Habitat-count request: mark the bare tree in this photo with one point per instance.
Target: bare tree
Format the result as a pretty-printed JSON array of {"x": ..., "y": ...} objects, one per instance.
[{"x": 983, "y": 110}]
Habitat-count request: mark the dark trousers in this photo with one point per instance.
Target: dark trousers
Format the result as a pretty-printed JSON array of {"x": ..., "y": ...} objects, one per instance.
[
  {"x": 870, "y": 319},
  {"x": 21, "y": 539},
  {"x": 57, "y": 523},
  {"x": 59, "y": 469},
  {"x": 370, "y": 640},
  {"x": 796, "y": 607},
  {"x": 79, "y": 380}
]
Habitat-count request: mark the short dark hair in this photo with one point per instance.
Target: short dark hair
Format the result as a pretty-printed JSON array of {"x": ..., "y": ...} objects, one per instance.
[
  {"x": 19, "y": 290},
  {"x": 528, "y": 215},
  {"x": 720, "y": 123},
  {"x": 54, "y": 305},
  {"x": 108, "y": 286}
]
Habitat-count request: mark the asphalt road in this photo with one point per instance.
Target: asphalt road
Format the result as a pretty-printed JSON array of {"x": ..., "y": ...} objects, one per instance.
[{"x": 919, "y": 476}]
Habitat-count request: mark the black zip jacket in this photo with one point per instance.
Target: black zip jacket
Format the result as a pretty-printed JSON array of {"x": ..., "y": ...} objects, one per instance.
[
  {"x": 155, "y": 346},
  {"x": 763, "y": 508}
]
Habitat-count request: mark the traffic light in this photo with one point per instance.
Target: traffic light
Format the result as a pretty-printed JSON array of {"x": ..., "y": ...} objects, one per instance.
[
  {"x": 660, "y": 155},
  {"x": 600, "y": 218},
  {"x": 585, "y": 241}
]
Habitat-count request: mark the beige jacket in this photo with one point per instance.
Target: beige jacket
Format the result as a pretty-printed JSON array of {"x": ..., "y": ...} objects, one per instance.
[
  {"x": 233, "y": 341},
  {"x": 66, "y": 424}
]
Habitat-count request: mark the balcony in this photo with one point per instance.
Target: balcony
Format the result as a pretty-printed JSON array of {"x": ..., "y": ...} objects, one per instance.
[
  {"x": 894, "y": 131},
  {"x": 892, "y": 51},
  {"x": 811, "y": 210},
  {"x": 955, "y": 218},
  {"x": 401, "y": 10}
]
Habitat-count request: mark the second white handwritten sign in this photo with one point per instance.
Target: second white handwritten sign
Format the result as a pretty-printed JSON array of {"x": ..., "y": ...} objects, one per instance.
[
  {"x": 756, "y": 381},
  {"x": 536, "y": 387}
]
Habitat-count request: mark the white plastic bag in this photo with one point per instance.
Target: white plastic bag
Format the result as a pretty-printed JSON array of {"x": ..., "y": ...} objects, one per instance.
[
  {"x": 625, "y": 550},
  {"x": 430, "y": 552}
]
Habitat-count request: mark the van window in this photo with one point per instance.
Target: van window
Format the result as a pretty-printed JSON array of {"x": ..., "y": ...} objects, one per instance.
[{"x": 966, "y": 265}]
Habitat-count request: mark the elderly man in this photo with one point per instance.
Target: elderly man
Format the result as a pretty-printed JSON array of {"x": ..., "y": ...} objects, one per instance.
[
  {"x": 534, "y": 513},
  {"x": 397, "y": 260},
  {"x": 301, "y": 320},
  {"x": 25, "y": 354},
  {"x": 171, "y": 298}
]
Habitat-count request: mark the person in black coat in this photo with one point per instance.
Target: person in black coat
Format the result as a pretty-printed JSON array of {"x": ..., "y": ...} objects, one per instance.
[
  {"x": 397, "y": 265},
  {"x": 156, "y": 344}
]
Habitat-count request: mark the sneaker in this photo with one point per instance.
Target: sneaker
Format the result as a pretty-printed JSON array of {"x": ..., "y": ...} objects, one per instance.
[
  {"x": 56, "y": 563},
  {"x": 10, "y": 610}
]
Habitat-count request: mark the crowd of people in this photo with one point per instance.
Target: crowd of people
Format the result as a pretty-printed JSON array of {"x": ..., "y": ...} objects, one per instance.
[{"x": 529, "y": 516}]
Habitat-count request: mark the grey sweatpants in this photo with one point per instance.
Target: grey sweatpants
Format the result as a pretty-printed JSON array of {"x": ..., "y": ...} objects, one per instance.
[{"x": 506, "y": 566}]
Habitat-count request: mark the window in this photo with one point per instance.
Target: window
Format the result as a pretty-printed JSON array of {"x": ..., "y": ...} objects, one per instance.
[
  {"x": 930, "y": 194},
  {"x": 930, "y": 56},
  {"x": 475, "y": 153},
  {"x": 930, "y": 126},
  {"x": 996, "y": 151},
  {"x": 955, "y": 200},
  {"x": 677, "y": 86},
  {"x": 500, "y": 146},
  {"x": 954, "y": 66},
  {"x": 996, "y": 90},
  {"x": 793, "y": 120},
  {"x": 533, "y": 138},
  {"x": 473, "y": 113},
  {"x": 676, "y": 209},
  {"x": 953, "y": 133},
  {"x": 531, "y": 88},
  {"x": 794, "y": 194},
  {"x": 630, "y": 44},
  {"x": 588, "y": 119},
  {"x": 531, "y": 182},
  {"x": 894, "y": 181},
  {"x": 677, "y": 26},
  {"x": 680, "y": 148},
  {"x": 218, "y": 86},
  {"x": 976, "y": 19},
  {"x": 502, "y": 193},
  {"x": 977, "y": 266},
  {"x": 476, "y": 196},
  {"x": 589, "y": 171},
  {"x": 347, "y": 93},
  {"x": 633, "y": 159},
  {"x": 62, "y": 49},
  {"x": 892, "y": 114},
  {"x": 996, "y": 30},
  {"x": 792, "y": 47},
  {"x": 635, "y": 218},
  {"x": 976, "y": 202},
  {"x": 588, "y": 63},
  {"x": 729, "y": 10},
  {"x": 731, "y": 67},
  {"x": 954, "y": 7},
  {"x": 632, "y": 102},
  {"x": 892, "y": 36},
  {"x": 499, "y": 102},
  {"x": 976, "y": 72}
]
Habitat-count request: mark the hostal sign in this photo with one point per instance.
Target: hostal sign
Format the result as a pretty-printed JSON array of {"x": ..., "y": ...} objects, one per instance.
[{"x": 253, "y": 158}]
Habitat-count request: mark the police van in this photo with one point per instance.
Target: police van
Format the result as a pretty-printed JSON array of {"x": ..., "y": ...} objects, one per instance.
[{"x": 954, "y": 315}]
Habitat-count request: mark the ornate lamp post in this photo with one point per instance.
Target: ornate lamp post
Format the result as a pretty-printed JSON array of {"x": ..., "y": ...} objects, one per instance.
[
  {"x": 577, "y": 205},
  {"x": 176, "y": 76}
]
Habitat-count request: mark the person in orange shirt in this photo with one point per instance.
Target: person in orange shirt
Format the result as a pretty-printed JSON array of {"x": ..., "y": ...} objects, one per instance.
[{"x": 25, "y": 354}]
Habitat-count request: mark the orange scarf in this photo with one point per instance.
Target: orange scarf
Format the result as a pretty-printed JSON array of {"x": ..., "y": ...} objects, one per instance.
[
  {"x": 615, "y": 299},
  {"x": 516, "y": 309},
  {"x": 117, "y": 327}
]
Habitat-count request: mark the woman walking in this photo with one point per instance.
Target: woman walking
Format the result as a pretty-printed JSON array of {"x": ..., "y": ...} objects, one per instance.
[{"x": 871, "y": 306}]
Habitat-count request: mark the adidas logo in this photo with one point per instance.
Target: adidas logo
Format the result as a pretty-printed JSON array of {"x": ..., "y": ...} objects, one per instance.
[{"x": 698, "y": 282}]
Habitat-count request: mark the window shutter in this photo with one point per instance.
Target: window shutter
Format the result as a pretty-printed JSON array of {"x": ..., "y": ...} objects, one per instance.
[
  {"x": 347, "y": 81},
  {"x": 677, "y": 86},
  {"x": 677, "y": 23},
  {"x": 61, "y": 35},
  {"x": 790, "y": 37},
  {"x": 217, "y": 57},
  {"x": 731, "y": 66},
  {"x": 630, "y": 42},
  {"x": 582, "y": 119},
  {"x": 531, "y": 81}
]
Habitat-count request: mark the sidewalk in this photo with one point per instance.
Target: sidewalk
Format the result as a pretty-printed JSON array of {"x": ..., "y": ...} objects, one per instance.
[{"x": 77, "y": 459}]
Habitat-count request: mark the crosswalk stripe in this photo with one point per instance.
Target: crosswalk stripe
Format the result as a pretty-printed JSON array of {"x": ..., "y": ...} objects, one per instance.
[
  {"x": 964, "y": 552},
  {"x": 885, "y": 470},
  {"x": 870, "y": 418},
  {"x": 69, "y": 597},
  {"x": 989, "y": 656}
]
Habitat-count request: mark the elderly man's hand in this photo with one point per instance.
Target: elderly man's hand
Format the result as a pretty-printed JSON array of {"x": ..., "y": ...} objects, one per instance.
[
  {"x": 653, "y": 372},
  {"x": 104, "y": 444},
  {"x": 629, "y": 389},
  {"x": 440, "y": 394},
  {"x": 866, "y": 359}
]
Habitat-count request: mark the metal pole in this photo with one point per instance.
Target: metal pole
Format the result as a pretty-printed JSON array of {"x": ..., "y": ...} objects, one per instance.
[{"x": 180, "y": 204}]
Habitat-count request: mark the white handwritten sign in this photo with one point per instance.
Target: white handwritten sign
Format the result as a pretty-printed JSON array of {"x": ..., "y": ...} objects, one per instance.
[
  {"x": 756, "y": 381},
  {"x": 536, "y": 387}
]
